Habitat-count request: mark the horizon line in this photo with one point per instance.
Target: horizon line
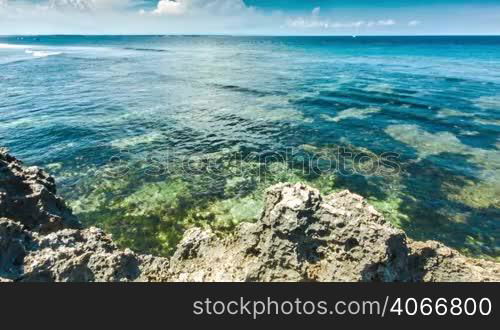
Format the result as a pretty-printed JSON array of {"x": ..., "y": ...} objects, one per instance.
[{"x": 249, "y": 35}]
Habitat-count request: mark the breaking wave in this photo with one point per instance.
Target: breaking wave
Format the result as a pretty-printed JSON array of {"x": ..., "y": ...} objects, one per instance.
[{"x": 42, "y": 53}]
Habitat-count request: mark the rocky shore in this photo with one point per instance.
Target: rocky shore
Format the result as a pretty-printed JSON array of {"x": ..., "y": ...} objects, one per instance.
[{"x": 301, "y": 236}]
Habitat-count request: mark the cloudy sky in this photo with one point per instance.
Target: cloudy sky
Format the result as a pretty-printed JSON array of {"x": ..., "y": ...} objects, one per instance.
[{"x": 269, "y": 17}]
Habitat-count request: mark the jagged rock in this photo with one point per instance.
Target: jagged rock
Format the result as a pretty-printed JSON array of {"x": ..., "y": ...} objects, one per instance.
[
  {"x": 41, "y": 239},
  {"x": 301, "y": 236},
  {"x": 70, "y": 255},
  {"x": 434, "y": 262},
  {"x": 28, "y": 195},
  {"x": 14, "y": 243},
  {"x": 79, "y": 255}
]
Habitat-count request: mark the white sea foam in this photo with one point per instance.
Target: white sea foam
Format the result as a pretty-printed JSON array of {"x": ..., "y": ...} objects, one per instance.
[
  {"x": 30, "y": 49},
  {"x": 11, "y": 46},
  {"x": 41, "y": 53}
]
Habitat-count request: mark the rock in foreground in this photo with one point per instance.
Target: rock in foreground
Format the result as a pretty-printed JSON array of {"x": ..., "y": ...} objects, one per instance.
[{"x": 301, "y": 236}]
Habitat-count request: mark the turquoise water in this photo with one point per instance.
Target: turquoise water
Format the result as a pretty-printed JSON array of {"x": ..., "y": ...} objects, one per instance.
[{"x": 116, "y": 120}]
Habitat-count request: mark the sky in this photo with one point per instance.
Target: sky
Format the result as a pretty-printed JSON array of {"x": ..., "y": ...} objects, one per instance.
[{"x": 253, "y": 17}]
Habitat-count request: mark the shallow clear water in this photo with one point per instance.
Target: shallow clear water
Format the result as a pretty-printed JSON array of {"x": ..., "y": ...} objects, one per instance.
[{"x": 128, "y": 125}]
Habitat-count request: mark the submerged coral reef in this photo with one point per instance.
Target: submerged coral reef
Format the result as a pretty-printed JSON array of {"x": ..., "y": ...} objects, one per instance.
[{"x": 300, "y": 236}]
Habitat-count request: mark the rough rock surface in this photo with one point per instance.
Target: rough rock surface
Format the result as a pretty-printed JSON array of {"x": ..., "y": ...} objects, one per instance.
[
  {"x": 301, "y": 236},
  {"x": 28, "y": 194}
]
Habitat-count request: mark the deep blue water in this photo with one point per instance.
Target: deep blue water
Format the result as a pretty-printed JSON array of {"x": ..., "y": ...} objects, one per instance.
[{"x": 86, "y": 106}]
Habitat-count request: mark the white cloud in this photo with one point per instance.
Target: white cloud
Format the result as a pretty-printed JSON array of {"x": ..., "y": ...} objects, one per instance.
[
  {"x": 387, "y": 22},
  {"x": 89, "y": 5},
  {"x": 83, "y": 5},
  {"x": 3, "y": 4},
  {"x": 53, "y": 6},
  {"x": 169, "y": 7},
  {"x": 414, "y": 23},
  {"x": 314, "y": 22},
  {"x": 201, "y": 7}
]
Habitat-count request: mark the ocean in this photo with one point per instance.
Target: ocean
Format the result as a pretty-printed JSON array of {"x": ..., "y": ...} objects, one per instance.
[{"x": 149, "y": 135}]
